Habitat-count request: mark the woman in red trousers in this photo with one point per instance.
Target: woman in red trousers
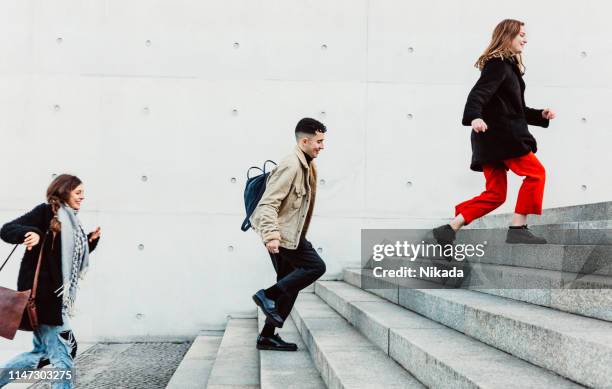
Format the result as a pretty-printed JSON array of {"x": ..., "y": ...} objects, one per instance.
[{"x": 501, "y": 141}]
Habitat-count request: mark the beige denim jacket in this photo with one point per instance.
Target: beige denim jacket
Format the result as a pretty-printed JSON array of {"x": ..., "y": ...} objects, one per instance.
[{"x": 285, "y": 209}]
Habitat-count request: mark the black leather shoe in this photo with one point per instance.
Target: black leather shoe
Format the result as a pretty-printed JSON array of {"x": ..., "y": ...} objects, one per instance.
[
  {"x": 268, "y": 307},
  {"x": 274, "y": 342},
  {"x": 523, "y": 235}
]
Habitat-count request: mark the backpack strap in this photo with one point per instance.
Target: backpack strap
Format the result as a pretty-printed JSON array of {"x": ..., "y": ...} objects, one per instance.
[
  {"x": 265, "y": 163},
  {"x": 264, "y": 170},
  {"x": 254, "y": 167}
]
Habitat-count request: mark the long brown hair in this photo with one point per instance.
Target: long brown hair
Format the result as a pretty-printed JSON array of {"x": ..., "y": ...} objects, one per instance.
[
  {"x": 58, "y": 192},
  {"x": 503, "y": 34}
]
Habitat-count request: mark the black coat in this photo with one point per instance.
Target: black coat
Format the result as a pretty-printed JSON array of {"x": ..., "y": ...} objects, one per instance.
[
  {"x": 498, "y": 98},
  {"x": 48, "y": 304}
]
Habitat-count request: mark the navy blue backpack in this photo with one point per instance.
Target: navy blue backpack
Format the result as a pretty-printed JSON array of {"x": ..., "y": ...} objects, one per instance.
[{"x": 253, "y": 191}]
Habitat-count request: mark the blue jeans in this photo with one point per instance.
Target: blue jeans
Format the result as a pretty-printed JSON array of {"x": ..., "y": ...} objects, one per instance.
[{"x": 52, "y": 344}]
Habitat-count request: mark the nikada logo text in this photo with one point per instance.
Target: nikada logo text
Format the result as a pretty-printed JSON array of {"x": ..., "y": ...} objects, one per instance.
[{"x": 426, "y": 272}]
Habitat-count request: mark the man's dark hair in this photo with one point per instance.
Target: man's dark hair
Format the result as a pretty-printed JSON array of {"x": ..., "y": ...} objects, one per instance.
[{"x": 309, "y": 126}]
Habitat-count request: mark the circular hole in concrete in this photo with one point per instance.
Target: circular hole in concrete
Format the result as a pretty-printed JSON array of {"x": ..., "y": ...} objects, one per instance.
[
  {"x": 409, "y": 184},
  {"x": 410, "y": 116},
  {"x": 141, "y": 247},
  {"x": 236, "y": 45},
  {"x": 583, "y": 187},
  {"x": 144, "y": 178}
]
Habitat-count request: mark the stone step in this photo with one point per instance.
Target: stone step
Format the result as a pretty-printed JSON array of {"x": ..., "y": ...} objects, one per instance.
[
  {"x": 195, "y": 368},
  {"x": 583, "y": 259},
  {"x": 281, "y": 370},
  {"x": 568, "y": 214},
  {"x": 572, "y": 346},
  {"x": 437, "y": 356},
  {"x": 344, "y": 357},
  {"x": 237, "y": 362},
  {"x": 574, "y": 233},
  {"x": 586, "y": 295},
  {"x": 595, "y": 303}
]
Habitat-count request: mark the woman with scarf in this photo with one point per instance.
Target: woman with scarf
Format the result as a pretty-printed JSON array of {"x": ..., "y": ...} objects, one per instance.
[
  {"x": 54, "y": 228},
  {"x": 501, "y": 141}
]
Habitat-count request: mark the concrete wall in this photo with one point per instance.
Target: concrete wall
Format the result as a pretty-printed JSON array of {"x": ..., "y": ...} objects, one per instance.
[{"x": 160, "y": 106}]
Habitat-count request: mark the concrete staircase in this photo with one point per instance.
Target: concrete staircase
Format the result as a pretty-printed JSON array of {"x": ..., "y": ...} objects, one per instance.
[
  {"x": 232, "y": 361},
  {"x": 436, "y": 355},
  {"x": 391, "y": 336}
]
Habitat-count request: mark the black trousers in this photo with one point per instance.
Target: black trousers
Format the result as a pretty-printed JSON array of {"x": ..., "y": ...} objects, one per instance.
[{"x": 295, "y": 270}]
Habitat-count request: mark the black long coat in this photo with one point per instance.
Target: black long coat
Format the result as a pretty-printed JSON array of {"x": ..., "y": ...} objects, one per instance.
[
  {"x": 498, "y": 98},
  {"x": 48, "y": 304}
]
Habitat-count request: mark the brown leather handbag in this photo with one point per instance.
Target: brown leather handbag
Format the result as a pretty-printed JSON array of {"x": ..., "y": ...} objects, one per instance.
[{"x": 13, "y": 304}]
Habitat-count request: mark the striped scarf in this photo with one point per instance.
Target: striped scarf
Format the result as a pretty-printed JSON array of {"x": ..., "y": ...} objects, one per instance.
[{"x": 75, "y": 257}]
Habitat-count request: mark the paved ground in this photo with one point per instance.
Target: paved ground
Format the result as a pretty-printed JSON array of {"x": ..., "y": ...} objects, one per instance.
[{"x": 127, "y": 365}]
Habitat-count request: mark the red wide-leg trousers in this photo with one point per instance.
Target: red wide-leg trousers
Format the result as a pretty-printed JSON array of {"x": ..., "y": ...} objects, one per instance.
[{"x": 530, "y": 194}]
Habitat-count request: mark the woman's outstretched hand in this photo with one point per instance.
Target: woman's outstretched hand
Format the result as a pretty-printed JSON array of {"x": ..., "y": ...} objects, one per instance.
[
  {"x": 479, "y": 125},
  {"x": 95, "y": 234},
  {"x": 549, "y": 114},
  {"x": 31, "y": 240}
]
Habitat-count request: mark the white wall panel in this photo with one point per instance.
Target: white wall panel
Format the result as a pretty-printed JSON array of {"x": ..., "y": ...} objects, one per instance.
[
  {"x": 65, "y": 35},
  {"x": 15, "y": 19},
  {"x": 189, "y": 142},
  {"x": 311, "y": 40},
  {"x": 179, "y": 280},
  {"x": 411, "y": 158}
]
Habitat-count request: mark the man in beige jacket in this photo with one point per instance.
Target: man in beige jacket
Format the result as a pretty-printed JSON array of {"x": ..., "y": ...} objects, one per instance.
[{"x": 281, "y": 218}]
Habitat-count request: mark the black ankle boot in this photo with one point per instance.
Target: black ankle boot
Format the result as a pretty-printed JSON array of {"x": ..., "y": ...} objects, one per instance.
[
  {"x": 521, "y": 234},
  {"x": 444, "y": 234}
]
